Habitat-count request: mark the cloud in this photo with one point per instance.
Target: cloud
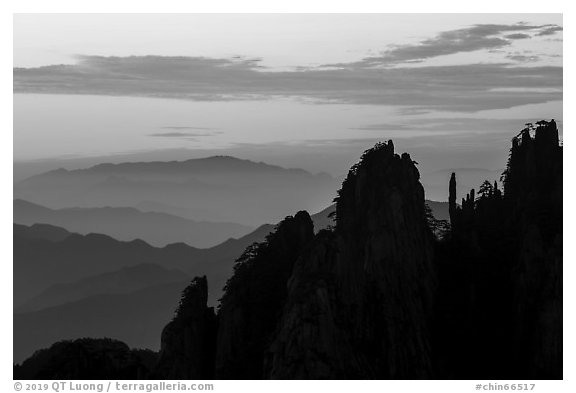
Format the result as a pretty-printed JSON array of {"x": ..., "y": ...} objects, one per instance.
[
  {"x": 198, "y": 78},
  {"x": 550, "y": 30},
  {"x": 186, "y": 128},
  {"x": 467, "y": 88},
  {"x": 469, "y": 39},
  {"x": 383, "y": 127},
  {"x": 191, "y": 136},
  {"x": 178, "y": 134},
  {"x": 518, "y": 36},
  {"x": 523, "y": 58},
  {"x": 460, "y": 88},
  {"x": 453, "y": 125}
]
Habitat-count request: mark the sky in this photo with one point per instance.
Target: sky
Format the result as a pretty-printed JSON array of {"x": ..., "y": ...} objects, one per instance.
[{"x": 298, "y": 90}]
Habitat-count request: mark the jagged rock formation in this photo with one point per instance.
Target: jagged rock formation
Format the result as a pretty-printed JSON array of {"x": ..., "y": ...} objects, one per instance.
[
  {"x": 501, "y": 270},
  {"x": 379, "y": 296},
  {"x": 534, "y": 186},
  {"x": 353, "y": 302},
  {"x": 452, "y": 199},
  {"x": 254, "y": 298},
  {"x": 87, "y": 359},
  {"x": 360, "y": 300},
  {"x": 188, "y": 341}
]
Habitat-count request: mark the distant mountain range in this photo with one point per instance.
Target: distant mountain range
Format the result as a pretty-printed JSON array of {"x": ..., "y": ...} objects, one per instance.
[
  {"x": 127, "y": 223},
  {"x": 40, "y": 231},
  {"x": 100, "y": 286},
  {"x": 439, "y": 210},
  {"x": 134, "y": 317},
  {"x": 46, "y": 255},
  {"x": 217, "y": 188},
  {"x": 109, "y": 304},
  {"x": 119, "y": 271},
  {"x": 125, "y": 280},
  {"x": 40, "y": 263},
  {"x": 92, "y": 285}
]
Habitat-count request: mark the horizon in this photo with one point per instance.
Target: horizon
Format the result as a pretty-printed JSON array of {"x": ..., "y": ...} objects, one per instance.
[
  {"x": 26, "y": 170},
  {"x": 309, "y": 91}
]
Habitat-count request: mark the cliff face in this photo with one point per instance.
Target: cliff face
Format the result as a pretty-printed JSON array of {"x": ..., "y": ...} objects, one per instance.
[
  {"x": 534, "y": 187},
  {"x": 501, "y": 271},
  {"x": 360, "y": 300},
  {"x": 188, "y": 341},
  {"x": 353, "y": 302},
  {"x": 254, "y": 298}
]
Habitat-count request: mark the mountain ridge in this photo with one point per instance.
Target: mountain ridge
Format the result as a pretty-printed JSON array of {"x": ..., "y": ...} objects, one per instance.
[
  {"x": 217, "y": 189},
  {"x": 214, "y": 163},
  {"x": 124, "y": 280},
  {"x": 138, "y": 316},
  {"x": 129, "y": 223}
]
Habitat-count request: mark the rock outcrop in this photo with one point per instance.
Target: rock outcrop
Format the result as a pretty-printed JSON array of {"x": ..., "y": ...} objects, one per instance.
[
  {"x": 188, "y": 341},
  {"x": 360, "y": 299},
  {"x": 452, "y": 199},
  {"x": 254, "y": 298},
  {"x": 501, "y": 270},
  {"x": 534, "y": 188}
]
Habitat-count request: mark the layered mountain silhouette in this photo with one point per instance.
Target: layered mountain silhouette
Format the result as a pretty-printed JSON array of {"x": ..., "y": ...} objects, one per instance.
[
  {"x": 125, "y": 280},
  {"x": 127, "y": 223},
  {"x": 227, "y": 189},
  {"x": 381, "y": 293},
  {"x": 46, "y": 255},
  {"x": 75, "y": 286},
  {"x": 135, "y": 318},
  {"x": 40, "y": 263},
  {"x": 67, "y": 305},
  {"x": 40, "y": 231}
]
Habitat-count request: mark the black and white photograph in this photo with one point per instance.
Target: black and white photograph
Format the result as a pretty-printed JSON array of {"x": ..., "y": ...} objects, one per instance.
[{"x": 288, "y": 196}]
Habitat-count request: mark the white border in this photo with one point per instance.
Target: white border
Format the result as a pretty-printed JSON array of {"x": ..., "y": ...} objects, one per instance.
[{"x": 246, "y": 6}]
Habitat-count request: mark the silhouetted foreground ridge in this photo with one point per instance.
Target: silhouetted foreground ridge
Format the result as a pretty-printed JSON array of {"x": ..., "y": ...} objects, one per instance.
[
  {"x": 88, "y": 358},
  {"x": 501, "y": 269},
  {"x": 384, "y": 294}
]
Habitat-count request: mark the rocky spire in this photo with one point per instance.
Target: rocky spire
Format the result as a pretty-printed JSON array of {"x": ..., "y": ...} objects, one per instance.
[
  {"x": 188, "y": 341},
  {"x": 360, "y": 299},
  {"x": 452, "y": 200}
]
